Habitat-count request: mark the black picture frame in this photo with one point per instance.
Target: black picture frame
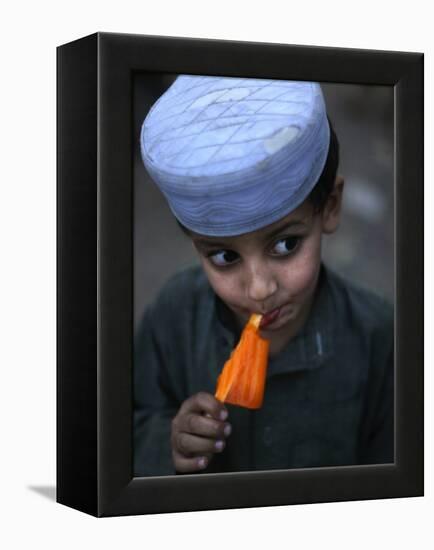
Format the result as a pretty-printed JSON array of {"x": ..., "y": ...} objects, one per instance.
[{"x": 95, "y": 274}]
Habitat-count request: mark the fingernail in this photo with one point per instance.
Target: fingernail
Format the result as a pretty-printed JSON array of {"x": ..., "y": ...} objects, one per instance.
[
  {"x": 223, "y": 414},
  {"x": 201, "y": 462},
  {"x": 228, "y": 430},
  {"x": 219, "y": 445}
]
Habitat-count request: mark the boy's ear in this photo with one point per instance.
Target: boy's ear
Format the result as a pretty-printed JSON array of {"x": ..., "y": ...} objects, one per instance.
[{"x": 332, "y": 210}]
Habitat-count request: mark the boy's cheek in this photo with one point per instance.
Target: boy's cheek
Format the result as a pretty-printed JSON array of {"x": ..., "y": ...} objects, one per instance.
[
  {"x": 228, "y": 292},
  {"x": 223, "y": 285},
  {"x": 300, "y": 277}
]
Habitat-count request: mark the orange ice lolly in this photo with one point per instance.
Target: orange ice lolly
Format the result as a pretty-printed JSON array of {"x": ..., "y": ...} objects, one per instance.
[{"x": 242, "y": 380}]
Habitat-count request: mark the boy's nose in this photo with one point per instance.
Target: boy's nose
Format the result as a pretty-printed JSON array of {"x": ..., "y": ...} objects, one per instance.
[{"x": 261, "y": 284}]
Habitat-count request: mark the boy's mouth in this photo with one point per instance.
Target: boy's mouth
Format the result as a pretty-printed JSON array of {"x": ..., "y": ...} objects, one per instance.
[{"x": 270, "y": 317}]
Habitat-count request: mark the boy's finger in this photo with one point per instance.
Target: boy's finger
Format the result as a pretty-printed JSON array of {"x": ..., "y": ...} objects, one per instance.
[
  {"x": 188, "y": 444},
  {"x": 205, "y": 403},
  {"x": 190, "y": 465},
  {"x": 203, "y": 425}
]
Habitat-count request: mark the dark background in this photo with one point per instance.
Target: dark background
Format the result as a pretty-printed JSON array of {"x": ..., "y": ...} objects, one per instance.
[{"x": 363, "y": 247}]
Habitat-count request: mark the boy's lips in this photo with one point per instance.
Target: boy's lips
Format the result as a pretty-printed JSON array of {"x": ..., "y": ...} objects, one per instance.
[{"x": 270, "y": 317}]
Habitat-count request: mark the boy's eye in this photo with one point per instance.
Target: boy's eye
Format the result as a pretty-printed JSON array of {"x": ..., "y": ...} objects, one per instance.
[
  {"x": 223, "y": 258},
  {"x": 286, "y": 246}
]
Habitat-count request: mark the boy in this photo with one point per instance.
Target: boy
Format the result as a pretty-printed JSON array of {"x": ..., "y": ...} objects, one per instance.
[{"x": 249, "y": 169}]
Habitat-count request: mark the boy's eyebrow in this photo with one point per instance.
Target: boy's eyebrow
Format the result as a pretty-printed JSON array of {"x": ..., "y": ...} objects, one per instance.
[
  {"x": 284, "y": 227},
  {"x": 203, "y": 241},
  {"x": 208, "y": 243}
]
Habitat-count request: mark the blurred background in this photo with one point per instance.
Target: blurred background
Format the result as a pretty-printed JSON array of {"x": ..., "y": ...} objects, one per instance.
[{"x": 363, "y": 247}]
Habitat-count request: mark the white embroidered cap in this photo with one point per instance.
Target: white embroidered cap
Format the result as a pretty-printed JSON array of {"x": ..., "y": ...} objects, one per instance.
[{"x": 233, "y": 155}]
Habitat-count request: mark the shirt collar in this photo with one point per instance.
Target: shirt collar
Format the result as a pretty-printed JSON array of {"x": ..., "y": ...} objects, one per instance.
[{"x": 310, "y": 347}]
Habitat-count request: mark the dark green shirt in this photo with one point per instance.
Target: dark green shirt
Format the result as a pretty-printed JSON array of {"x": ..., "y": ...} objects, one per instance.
[{"x": 329, "y": 393}]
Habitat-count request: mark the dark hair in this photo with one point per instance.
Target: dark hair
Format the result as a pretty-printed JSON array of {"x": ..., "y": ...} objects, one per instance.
[
  {"x": 324, "y": 186},
  {"x": 183, "y": 228}
]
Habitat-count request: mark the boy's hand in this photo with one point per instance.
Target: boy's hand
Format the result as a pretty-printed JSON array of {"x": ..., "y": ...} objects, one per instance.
[{"x": 198, "y": 431}]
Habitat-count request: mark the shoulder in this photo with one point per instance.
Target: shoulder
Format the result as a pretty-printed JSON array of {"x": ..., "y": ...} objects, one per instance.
[
  {"x": 184, "y": 287},
  {"x": 362, "y": 308},
  {"x": 182, "y": 296}
]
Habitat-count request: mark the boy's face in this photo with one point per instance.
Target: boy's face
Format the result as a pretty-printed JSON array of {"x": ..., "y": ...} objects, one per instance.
[{"x": 273, "y": 270}]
